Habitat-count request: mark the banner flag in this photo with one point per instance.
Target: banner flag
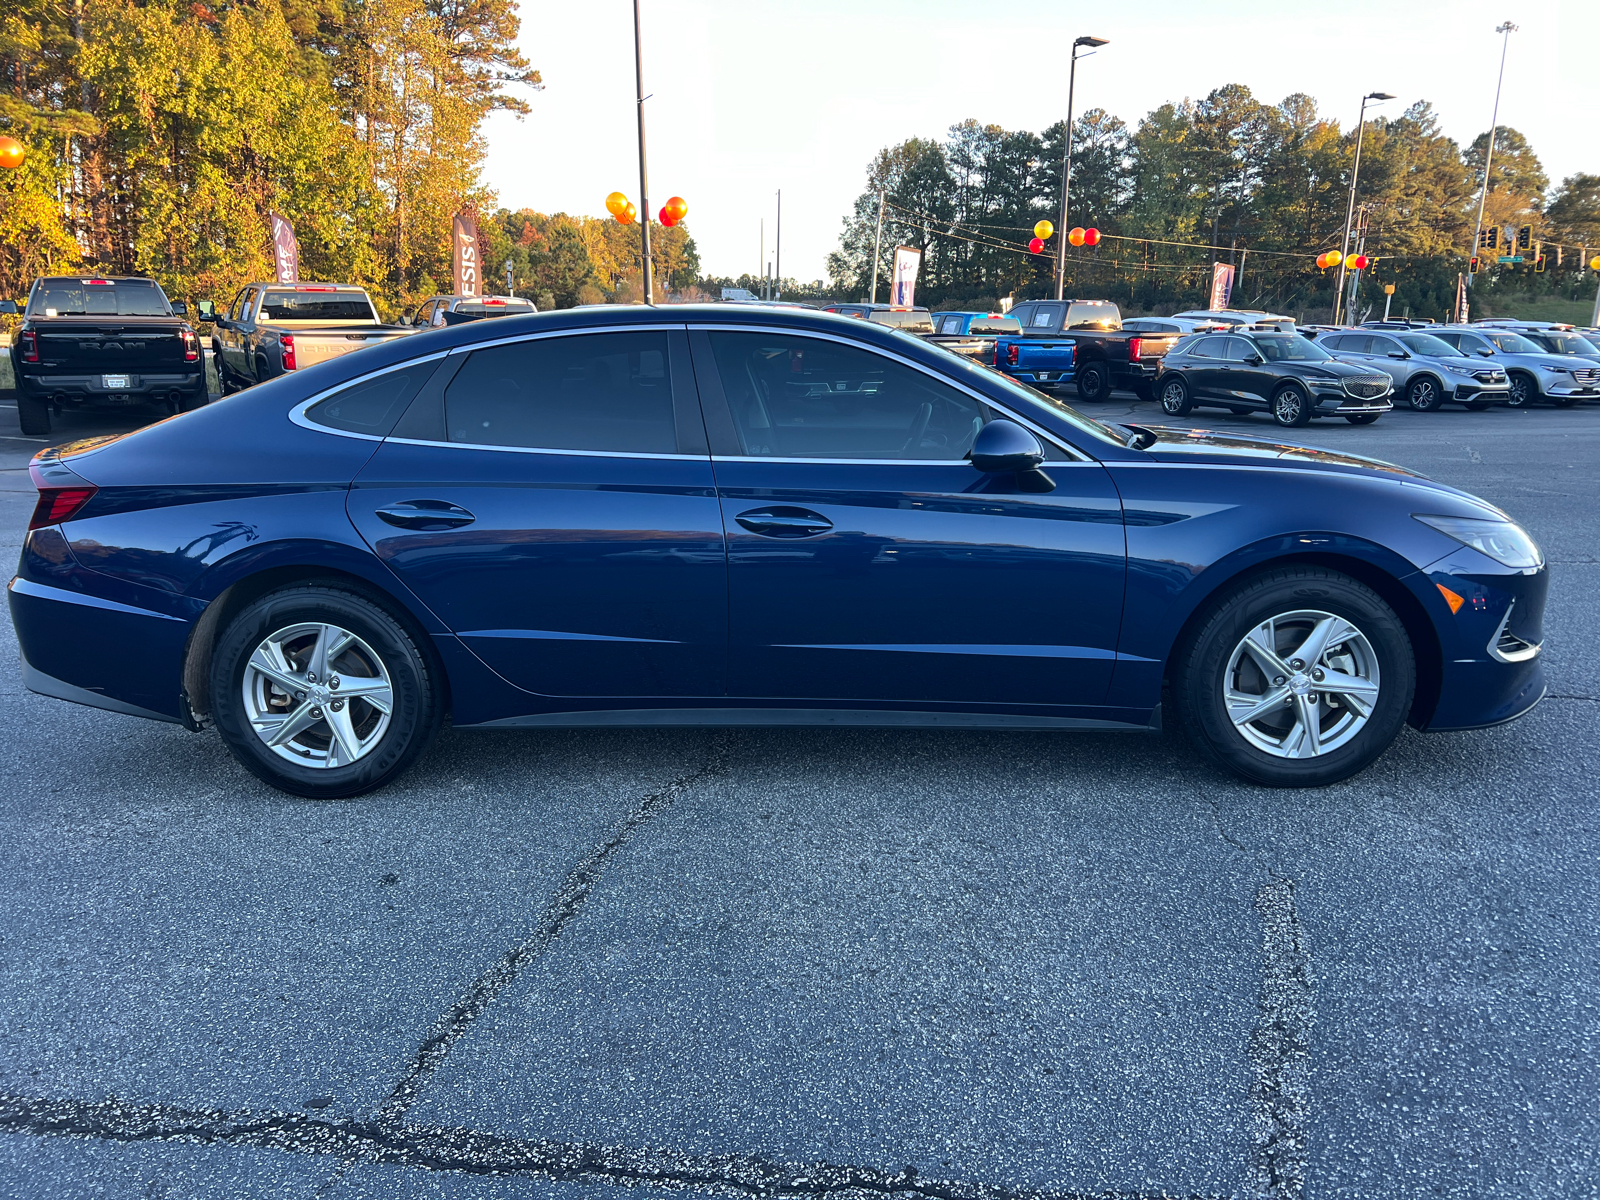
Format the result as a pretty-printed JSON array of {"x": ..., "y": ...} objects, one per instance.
[
  {"x": 1221, "y": 285},
  {"x": 1462, "y": 307},
  {"x": 907, "y": 262},
  {"x": 465, "y": 236},
  {"x": 285, "y": 250}
]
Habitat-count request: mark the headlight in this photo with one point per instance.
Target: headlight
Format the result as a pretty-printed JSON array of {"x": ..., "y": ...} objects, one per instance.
[
  {"x": 1555, "y": 370},
  {"x": 1504, "y": 541}
]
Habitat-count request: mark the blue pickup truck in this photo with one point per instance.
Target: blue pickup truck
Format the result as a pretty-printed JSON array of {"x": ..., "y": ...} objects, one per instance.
[{"x": 1081, "y": 342}]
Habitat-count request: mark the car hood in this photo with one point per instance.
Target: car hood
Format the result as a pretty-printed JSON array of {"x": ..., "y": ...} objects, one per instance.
[
  {"x": 1335, "y": 369},
  {"x": 1565, "y": 362},
  {"x": 1203, "y": 445}
]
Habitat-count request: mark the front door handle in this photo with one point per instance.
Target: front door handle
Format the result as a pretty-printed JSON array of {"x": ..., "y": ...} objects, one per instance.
[
  {"x": 425, "y": 514},
  {"x": 782, "y": 521}
]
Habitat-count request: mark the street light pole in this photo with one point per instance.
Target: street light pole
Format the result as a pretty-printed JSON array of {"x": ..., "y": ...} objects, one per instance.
[
  {"x": 1350, "y": 209},
  {"x": 1505, "y": 29},
  {"x": 644, "y": 181},
  {"x": 777, "y": 268},
  {"x": 1066, "y": 162},
  {"x": 877, "y": 248}
]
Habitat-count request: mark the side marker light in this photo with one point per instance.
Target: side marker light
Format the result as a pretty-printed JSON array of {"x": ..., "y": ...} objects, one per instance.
[{"x": 1454, "y": 601}]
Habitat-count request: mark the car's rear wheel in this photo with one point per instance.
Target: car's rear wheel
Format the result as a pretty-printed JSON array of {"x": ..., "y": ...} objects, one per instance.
[
  {"x": 33, "y": 414},
  {"x": 1298, "y": 677},
  {"x": 1291, "y": 406},
  {"x": 320, "y": 692},
  {"x": 1094, "y": 383},
  {"x": 1524, "y": 390},
  {"x": 1175, "y": 400},
  {"x": 1423, "y": 394},
  {"x": 1362, "y": 418},
  {"x": 198, "y": 398}
]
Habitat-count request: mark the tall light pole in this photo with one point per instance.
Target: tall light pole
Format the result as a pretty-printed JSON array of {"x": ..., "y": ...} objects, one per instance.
[
  {"x": 1066, "y": 161},
  {"x": 644, "y": 179},
  {"x": 777, "y": 269},
  {"x": 1505, "y": 29},
  {"x": 1350, "y": 209}
]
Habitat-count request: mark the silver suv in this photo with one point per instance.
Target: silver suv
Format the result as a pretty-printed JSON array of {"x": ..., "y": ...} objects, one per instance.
[
  {"x": 1427, "y": 371},
  {"x": 1532, "y": 372}
]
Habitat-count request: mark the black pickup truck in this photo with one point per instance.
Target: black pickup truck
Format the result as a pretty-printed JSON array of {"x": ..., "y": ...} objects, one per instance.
[
  {"x": 92, "y": 341},
  {"x": 1086, "y": 343}
]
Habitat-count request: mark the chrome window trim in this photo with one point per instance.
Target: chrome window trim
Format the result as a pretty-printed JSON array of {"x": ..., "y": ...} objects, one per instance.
[
  {"x": 884, "y": 462},
  {"x": 544, "y": 450},
  {"x": 297, "y": 414},
  {"x": 1053, "y": 439},
  {"x": 579, "y": 332}
]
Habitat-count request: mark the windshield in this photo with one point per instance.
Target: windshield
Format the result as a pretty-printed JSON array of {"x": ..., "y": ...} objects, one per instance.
[
  {"x": 1510, "y": 343},
  {"x": 1025, "y": 397},
  {"x": 1291, "y": 348},
  {"x": 98, "y": 298},
  {"x": 1568, "y": 343},
  {"x": 315, "y": 306},
  {"x": 1426, "y": 343}
]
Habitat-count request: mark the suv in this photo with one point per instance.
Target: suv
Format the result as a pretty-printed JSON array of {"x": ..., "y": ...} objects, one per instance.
[
  {"x": 1427, "y": 371},
  {"x": 1563, "y": 341},
  {"x": 1239, "y": 316},
  {"x": 1174, "y": 325},
  {"x": 1531, "y": 371},
  {"x": 1284, "y": 374},
  {"x": 453, "y": 310}
]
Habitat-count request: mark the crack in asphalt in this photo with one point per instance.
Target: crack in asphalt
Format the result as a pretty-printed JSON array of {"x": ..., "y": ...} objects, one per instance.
[
  {"x": 562, "y": 908},
  {"x": 1560, "y": 696},
  {"x": 471, "y": 1152},
  {"x": 1280, "y": 1051}
]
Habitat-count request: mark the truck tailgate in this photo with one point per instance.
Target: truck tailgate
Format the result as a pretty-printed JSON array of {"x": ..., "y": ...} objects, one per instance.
[
  {"x": 97, "y": 345},
  {"x": 315, "y": 346}
]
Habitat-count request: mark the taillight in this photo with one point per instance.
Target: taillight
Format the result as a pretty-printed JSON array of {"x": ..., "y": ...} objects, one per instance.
[
  {"x": 28, "y": 343},
  {"x": 191, "y": 346},
  {"x": 288, "y": 351},
  {"x": 1134, "y": 346},
  {"x": 1013, "y": 354},
  {"x": 57, "y": 504}
]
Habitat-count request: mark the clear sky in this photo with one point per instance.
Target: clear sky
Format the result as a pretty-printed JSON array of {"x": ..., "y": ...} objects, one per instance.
[{"x": 750, "y": 96}]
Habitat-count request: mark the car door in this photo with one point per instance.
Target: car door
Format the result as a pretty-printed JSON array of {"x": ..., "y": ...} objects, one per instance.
[
  {"x": 869, "y": 561},
  {"x": 1204, "y": 370},
  {"x": 229, "y": 334},
  {"x": 550, "y": 498},
  {"x": 1249, "y": 376}
]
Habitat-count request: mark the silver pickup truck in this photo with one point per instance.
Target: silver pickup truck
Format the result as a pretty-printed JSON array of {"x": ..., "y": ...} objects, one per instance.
[{"x": 273, "y": 328}]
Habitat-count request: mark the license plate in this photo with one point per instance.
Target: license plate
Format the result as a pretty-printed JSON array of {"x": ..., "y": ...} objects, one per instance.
[
  {"x": 113, "y": 381},
  {"x": 1043, "y": 376}
]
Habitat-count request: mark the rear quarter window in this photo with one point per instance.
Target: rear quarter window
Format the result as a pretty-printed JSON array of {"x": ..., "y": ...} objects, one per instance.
[{"x": 372, "y": 406}]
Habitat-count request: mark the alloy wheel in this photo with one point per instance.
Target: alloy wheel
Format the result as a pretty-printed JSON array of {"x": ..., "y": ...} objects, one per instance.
[
  {"x": 317, "y": 695},
  {"x": 1423, "y": 396},
  {"x": 1521, "y": 392},
  {"x": 1301, "y": 684},
  {"x": 1286, "y": 407},
  {"x": 1172, "y": 398}
]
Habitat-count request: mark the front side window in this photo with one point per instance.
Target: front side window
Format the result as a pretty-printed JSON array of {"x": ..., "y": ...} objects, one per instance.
[
  {"x": 596, "y": 391},
  {"x": 1512, "y": 343},
  {"x": 1427, "y": 344},
  {"x": 1290, "y": 348},
  {"x": 799, "y": 397},
  {"x": 1236, "y": 349},
  {"x": 1567, "y": 343},
  {"x": 247, "y": 310}
]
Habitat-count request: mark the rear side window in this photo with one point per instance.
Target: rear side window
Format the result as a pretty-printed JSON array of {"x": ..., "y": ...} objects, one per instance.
[
  {"x": 372, "y": 406},
  {"x": 598, "y": 391},
  {"x": 1094, "y": 316},
  {"x": 1045, "y": 316},
  {"x": 1208, "y": 347},
  {"x": 98, "y": 298},
  {"x": 799, "y": 397}
]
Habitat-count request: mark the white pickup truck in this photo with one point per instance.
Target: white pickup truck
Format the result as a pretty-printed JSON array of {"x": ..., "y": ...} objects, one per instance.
[{"x": 277, "y": 327}]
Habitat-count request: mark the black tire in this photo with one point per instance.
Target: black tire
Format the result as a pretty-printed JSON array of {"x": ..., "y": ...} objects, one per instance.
[
  {"x": 1094, "y": 381},
  {"x": 1200, "y": 673},
  {"x": 1524, "y": 390},
  {"x": 1291, "y": 407},
  {"x": 1424, "y": 395},
  {"x": 33, "y": 414},
  {"x": 1174, "y": 397},
  {"x": 1362, "y": 418},
  {"x": 416, "y": 710},
  {"x": 198, "y": 398}
]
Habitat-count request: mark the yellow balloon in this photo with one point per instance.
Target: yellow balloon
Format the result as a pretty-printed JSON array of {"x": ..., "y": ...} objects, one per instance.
[
  {"x": 1594, "y": 263},
  {"x": 1350, "y": 261},
  {"x": 1043, "y": 230},
  {"x": 615, "y": 203}
]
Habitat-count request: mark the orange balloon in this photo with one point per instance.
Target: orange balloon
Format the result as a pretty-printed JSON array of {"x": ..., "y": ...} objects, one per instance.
[
  {"x": 1076, "y": 236},
  {"x": 678, "y": 207},
  {"x": 11, "y": 153},
  {"x": 627, "y": 215},
  {"x": 615, "y": 203}
]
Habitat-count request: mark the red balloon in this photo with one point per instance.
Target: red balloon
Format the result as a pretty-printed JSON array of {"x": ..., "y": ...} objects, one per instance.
[
  {"x": 666, "y": 218},
  {"x": 1091, "y": 237},
  {"x": 1361, "y": 262},
  {"x": 1036, "y": 246}
]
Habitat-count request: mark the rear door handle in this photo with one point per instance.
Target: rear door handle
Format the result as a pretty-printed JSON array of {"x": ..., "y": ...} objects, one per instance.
[
  {"x": 425, "y": 514},
  {"x": 782, "y": 521}
]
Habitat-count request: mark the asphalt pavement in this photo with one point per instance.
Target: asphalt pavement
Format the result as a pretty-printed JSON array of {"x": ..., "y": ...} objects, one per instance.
[{"x": 933, "y": 965}]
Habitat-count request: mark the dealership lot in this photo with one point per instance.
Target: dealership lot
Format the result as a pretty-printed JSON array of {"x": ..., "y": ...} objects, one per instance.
[{"x": 938, "y": 964}]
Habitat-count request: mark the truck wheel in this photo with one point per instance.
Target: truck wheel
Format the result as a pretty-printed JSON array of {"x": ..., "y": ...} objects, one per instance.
[
  {"x": 198, "y": 398},
  {"x": 33, "y": 414},
  {"x": 1175, "y": 400},
  {"x": 1093, "y": 382},
  {"x": 1146, "y": 391}
]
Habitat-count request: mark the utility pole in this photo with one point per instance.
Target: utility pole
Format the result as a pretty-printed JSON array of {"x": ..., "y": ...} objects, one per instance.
[
  {"x": 777, "y": 270},
  {"x": 877, "y": 249},
  {"x": 1066, "y": 162},
  {"x": 763, "y": 262},
  {"x": 1505, "y": 29},
  {"x": 644, "y": 180},
  {"x": 1350, "y": 209}
]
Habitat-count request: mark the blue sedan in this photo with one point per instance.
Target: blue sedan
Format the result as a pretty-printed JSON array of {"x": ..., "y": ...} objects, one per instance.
[{"x": 718, "y": 516}]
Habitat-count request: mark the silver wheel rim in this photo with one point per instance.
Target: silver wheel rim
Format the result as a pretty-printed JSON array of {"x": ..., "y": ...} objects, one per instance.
[
  {"x": 1519, "y": 393},
  {"x": 1422, "y": 395},
  {"x": 1301, "y": 684},
  {"x": 1288, "y": 407},
  {"x": 317, "y": 695},
  {"x": 1172, "y": 398}
]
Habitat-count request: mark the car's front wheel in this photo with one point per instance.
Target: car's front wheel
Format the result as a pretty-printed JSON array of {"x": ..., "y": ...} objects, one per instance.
[
  {"x": 1524, "y": 390},
  {"x": 1424, "y": 395},
  {"x": 1093, "y": 381},
  {"x": 1175, "y": 401},
  {"x": 320, "y": 692},
  {"x": 1298, "y": 677},
  {"x": 1291, "y": 406}
]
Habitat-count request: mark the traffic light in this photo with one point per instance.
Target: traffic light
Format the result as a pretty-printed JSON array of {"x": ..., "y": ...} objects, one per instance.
[
  {"x": 1473, "y": 265},
  {"x": 1525, "y": 237},
  {"x": 1489, "y": 239},
  {"x": 1538, "y": 261}
]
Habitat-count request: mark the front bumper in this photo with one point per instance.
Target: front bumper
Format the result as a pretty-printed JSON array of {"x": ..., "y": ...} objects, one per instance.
[
  {"x": 92, "y": 389},
  {"x": 1473, "y": 390},
  {"x": 1331, "y": 403}
]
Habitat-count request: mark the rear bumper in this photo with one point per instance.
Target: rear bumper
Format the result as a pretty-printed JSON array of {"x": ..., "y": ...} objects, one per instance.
[
  {"x": 91, "y": 389},
  {"x": 1044, "y": 379}
]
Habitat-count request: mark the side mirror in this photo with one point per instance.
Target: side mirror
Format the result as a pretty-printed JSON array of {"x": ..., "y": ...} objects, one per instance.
[
  {"x": 206, "y": 309},
  {"x": 8, "y": 308},
  {"x": 1255, "y": 360},
  {"x": 180, "y": 309},
  {"x": 1006, "y": 447},
  {"x": 1398, "y": 354},
  {"x": 1486, "y": 353}
]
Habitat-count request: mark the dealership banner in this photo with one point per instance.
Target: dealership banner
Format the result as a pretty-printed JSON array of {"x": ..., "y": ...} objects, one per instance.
[
  {"x": 907, "y": 261},
  {"x": 1221, "y": 285},
  {"x": 285, "y": 250},
  {"x": 464, "y": 234}
]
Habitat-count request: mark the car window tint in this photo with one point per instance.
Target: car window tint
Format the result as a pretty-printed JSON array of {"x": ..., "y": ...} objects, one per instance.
[
  {"x": 1383, "y": 345},
  {"x": 1512, "y": 343},
  {"x": 1094, "y": 316},
  {"x": 994, "y": 326},
  {"x": 800, "y": 397},
  {"x": 598, "y": 391},
  {"x": 1207, "y": 347},
  {"x": 1236, "y": 349},
  {"x": 1424, "y": 343},
  {"x": 373, "y": 405},
  {"x": 1046, "y": 316}
]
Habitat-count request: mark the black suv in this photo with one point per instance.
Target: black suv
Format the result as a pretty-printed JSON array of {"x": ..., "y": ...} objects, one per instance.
[{"x": 1284, "y": 374}]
